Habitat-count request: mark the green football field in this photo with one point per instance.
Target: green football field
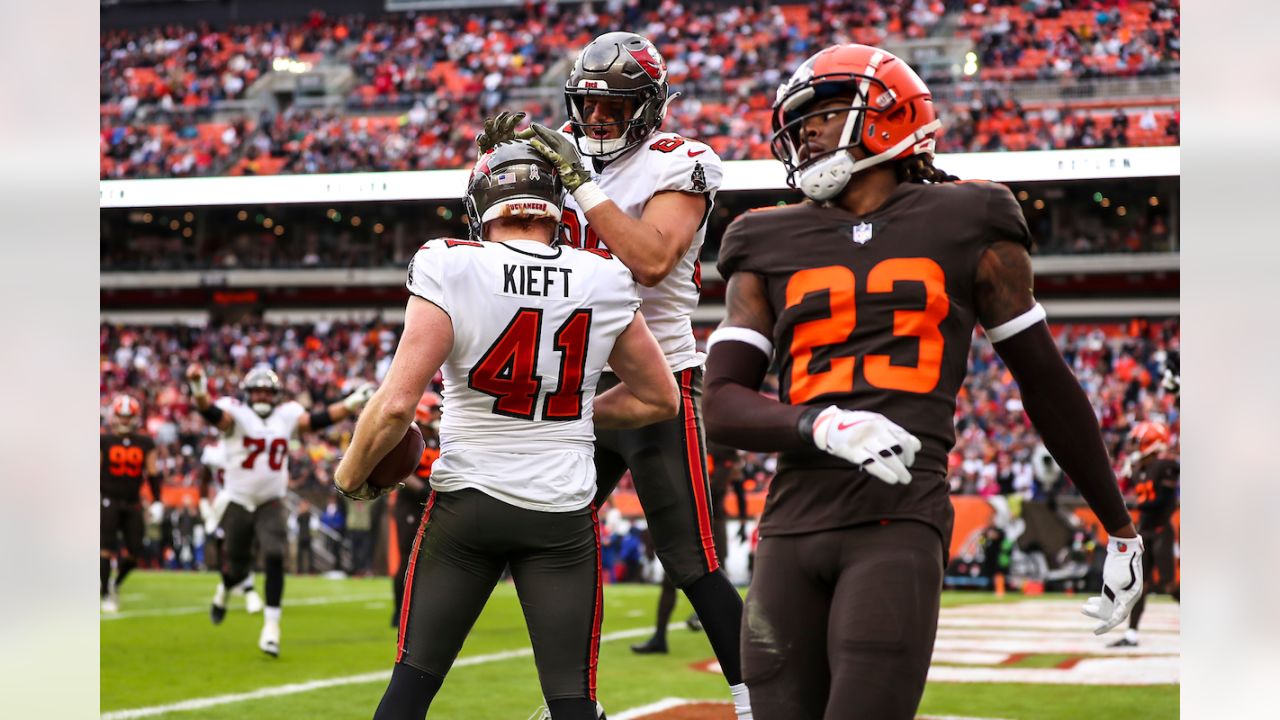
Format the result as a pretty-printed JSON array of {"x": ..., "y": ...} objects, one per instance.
[{"x": 1016, "y": 658}]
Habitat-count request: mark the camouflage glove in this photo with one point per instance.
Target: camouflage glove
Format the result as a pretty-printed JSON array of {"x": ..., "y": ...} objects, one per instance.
[
  {"x": 559, "y": 150},
  {"x": 498, "y": 130},
  {"x": 367, "y": 491}
]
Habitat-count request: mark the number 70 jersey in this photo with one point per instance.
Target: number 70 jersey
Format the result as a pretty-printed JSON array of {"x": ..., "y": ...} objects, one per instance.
[
  {"x": 533, "y": 327},
  {"x": 257, "y": 451}
]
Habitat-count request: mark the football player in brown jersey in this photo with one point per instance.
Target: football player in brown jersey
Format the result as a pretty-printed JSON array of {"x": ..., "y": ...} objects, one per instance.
[
  {"x": 870, "y": 291},
  {"x": 1155, "y": 473},
  {"x": 126, "y": 457}
]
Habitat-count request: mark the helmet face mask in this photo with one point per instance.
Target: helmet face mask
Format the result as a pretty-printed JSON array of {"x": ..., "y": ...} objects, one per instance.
[
  {"x": 889, "y": 115},
  {"x": 126, "y": 415},
  {"x": 619, "y": 65},
  {"x": 262, "y": 390},
  {"x": 512, "y": 181}
]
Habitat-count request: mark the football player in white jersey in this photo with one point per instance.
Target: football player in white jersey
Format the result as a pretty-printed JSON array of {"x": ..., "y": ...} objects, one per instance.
[
  {"x": 646, "y": 198},
  {"x": 521, "y": 330},
  {"x": 256, "y": 434},
  {"x": 213, "y": 461}
]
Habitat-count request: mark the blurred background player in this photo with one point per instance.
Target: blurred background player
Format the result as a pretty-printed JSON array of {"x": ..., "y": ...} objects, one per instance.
[
  {"x": 256, "y": 433},
  {"x": 213, "y": 471},
  {"x": 126, "y": 458},
  {"x": 646, "y": 199},
  {"x": 411, "y": 499},
  {"x": 521, "y": 331},
  {"x": 873, "y": 288},
  {"x": 1155, "y": 473},
  {"x": 725, "y": 465}
]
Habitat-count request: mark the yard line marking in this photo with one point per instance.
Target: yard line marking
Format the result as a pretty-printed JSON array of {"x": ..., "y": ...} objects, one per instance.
[
  {"x": 670, "y": 703},
  {"x": 295, "y": 688},
  {"x": 654, "y": 707},
  {"x": 196, "y": 610}
]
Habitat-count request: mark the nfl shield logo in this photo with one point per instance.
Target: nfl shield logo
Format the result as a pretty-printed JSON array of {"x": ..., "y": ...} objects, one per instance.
[{"x": 862, "y": 233}]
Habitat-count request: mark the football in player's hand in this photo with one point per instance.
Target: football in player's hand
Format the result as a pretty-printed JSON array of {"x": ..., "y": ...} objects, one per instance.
[{"x": 401, "y": 461}]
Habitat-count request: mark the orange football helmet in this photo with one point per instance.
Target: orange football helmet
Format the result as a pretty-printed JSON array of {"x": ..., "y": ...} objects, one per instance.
[
  {"x": 890, "y": 116},
  {"x": 1150, "y": 437},
  {"x": 427, "y": 407},
  {"x": 126, "y": 414}
]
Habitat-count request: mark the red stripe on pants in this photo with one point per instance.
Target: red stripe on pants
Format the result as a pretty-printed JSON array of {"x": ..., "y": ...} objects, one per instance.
[
  {"x": 594, "y": 659},
  {"x": 408, "y": 577},
  {"x": 693, "y": 451}
]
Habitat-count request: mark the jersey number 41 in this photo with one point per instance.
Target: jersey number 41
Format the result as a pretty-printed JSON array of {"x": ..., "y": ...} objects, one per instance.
[{"x": 508, "y": 371}]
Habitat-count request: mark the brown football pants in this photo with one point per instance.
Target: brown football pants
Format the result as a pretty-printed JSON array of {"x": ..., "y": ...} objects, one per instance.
[{"x": 839, "y": 625}]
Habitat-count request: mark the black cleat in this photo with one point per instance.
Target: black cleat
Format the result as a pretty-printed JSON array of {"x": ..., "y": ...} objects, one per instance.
[
  {"x": 652, "y": 646},
  {"x": 217, "y": 613},
  {"x": 693, "y": 623},
  {"x": 1123, "y": 642}
]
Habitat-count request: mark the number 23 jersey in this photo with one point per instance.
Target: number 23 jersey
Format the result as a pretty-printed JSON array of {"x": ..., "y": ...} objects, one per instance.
[
  {"x": 874, "y": 313},
  {"x": 257, "y": 451}
]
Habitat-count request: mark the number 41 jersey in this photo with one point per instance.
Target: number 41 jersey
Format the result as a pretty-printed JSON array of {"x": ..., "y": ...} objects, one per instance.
[
  {"x": 257, "y": 451},
  {"x": 873, "y": 313},
  {"x": 533, "y": 327}
]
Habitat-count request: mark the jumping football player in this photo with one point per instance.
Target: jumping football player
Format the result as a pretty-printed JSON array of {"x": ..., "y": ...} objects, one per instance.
[
  {"x": 126, "y": 458},
  {"x": 646, "y": 198},
  {"x": 521, "y": 330},
  {"x": 256, "y": 432},
  {"x": 1155, "y": 474},
  {"x": 870, "y": 290}
]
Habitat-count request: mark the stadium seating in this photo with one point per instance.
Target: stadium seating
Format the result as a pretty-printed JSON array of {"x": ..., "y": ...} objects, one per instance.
[{"x": 423, "y": 82}]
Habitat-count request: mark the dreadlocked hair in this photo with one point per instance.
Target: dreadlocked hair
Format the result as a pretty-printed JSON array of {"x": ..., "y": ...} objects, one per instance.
[{"x": 920, "y": 169}]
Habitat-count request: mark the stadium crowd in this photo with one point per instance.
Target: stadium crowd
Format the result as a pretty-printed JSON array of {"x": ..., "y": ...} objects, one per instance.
[
  {"x": 423, "y": 82},
  {"x": 1120, "y": 366}
]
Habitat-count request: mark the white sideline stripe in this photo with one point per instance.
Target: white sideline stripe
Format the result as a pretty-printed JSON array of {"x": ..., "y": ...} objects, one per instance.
[
  {"x": 295, "y": 688},
  {"x": 669, "y": 703},
  {"x": 651, "y": 708},
  {"x": 195, "y": 610}
]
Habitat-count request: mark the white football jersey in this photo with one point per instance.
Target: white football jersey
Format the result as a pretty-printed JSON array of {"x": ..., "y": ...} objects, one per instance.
[
  {"x": 663, "y": 162},
  {"x": 257, "y": 451},
  {"x": 533, "y": 326}
]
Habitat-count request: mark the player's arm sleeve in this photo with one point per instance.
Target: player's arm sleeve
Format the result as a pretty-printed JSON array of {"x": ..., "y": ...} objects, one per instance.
[
  {"x": 701, "y": 173},
  {"x": 738, "y": 357},
  {"x": 1061, "y": 412},
  {"x": 426, "y": 275},
  {"x": 1005, "y": 220},
  {"x": 229, "y": 407}
]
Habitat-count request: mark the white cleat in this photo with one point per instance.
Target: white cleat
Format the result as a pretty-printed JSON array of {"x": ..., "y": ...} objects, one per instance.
[
  {"x": 252, "y": 602},
  {"x": 269, "y": 640},
  {"x": 110, "y": 605}
]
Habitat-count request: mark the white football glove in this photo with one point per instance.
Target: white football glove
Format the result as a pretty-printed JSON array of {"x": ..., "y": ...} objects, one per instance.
[
  {"x": 869, "y": 440},
  {"x": 155, "y": 512},
  {"x": 1121, "y": 584},
  {"x": 359, "y": 397}
]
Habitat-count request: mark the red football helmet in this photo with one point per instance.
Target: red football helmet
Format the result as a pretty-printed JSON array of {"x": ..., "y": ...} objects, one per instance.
[
  {"x": 427, "y": 407},
  {"x": 1150, "y": 437},
  {"x": 890, "y": 116},
  {"x": 126, "y": 414}
]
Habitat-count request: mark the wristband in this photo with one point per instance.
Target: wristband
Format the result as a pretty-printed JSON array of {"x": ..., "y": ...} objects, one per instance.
[
  {"x": 589, "y": 195},
  {"x": 804, "y": 426}
]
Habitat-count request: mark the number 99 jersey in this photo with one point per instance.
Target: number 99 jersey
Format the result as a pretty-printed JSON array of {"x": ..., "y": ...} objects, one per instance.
[
  {"x": 257, "y": 451},
  {"x": 874, "y": 313},
  {"x": 533, "y": 327}
]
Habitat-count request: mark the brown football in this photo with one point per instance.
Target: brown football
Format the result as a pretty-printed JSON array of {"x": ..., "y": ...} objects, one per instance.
[{"x": 401, "y": 461}]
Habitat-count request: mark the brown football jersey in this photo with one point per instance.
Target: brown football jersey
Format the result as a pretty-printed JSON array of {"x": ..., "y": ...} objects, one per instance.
[
  {"x": 872, "y": 313},
  {"x": 1155, "y": 486},
  {"x": 123, "y": 466}
]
